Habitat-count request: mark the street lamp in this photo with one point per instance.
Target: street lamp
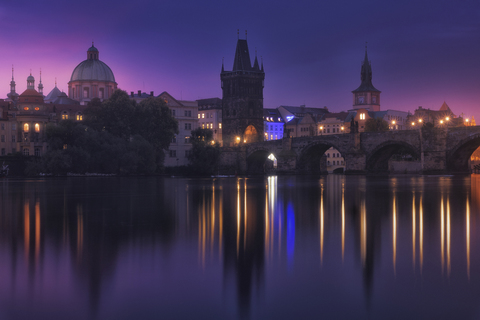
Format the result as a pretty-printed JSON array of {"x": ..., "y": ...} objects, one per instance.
[
  {"x": 342, "y": 128},
  {"x": 393, "y": 124},
  {"x": 321, "y": 130},
  {"x": 413, "y": 123}
]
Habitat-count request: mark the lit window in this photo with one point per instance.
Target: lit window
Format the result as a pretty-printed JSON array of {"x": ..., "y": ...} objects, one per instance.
[
  {"x": 203, "y": 115},
  {"x": 64, "y": 146},
  {"x": 26, "y": 108},
  {"x": 79, "y": 117},
  {"x": 203, "y": 125},
  {"x": 37, "y": 127},
  {"x": 362, "y": 116},
  {"x": 37, "y": 108},
  {"x": 199, "y": 116},
  {"x": 219, "y": 125},
  {"x": 26, "y": 127}
]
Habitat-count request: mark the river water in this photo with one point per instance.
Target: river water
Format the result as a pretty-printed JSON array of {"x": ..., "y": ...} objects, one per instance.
[{"x": 290, "y": 247}]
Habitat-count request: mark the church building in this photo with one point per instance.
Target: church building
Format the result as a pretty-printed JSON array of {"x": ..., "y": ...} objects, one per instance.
[{"x": 366, "y": 96}]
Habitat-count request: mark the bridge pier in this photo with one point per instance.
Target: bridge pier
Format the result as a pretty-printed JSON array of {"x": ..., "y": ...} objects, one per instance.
[{"x": 355, "y": 163}]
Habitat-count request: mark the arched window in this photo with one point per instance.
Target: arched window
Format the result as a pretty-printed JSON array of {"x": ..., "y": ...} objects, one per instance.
[
  {"x": 37, "y": 127},
  {"x": 26, "y": 127}
]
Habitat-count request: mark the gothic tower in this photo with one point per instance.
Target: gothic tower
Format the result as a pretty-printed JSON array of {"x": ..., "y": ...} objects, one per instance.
[
  {"x": 366, "y": 96},
  {"x": 242, "y": 99}
]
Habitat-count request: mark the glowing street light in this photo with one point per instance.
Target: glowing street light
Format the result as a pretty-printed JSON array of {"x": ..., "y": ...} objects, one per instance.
[
  {"x": 441, "y": 121},
  {"x": 420, "y": 120},
  {"x": 413, "y": 123}
]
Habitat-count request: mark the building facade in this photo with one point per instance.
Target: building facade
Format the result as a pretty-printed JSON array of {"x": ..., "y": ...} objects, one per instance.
[
  {"x": 186, "y": 114},
  {"x": 210, "y": 117},
  {"x": 242, "y": 99}
]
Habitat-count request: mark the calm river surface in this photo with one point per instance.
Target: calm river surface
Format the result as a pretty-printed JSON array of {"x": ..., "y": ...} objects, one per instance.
[{"x": 294, "y": 247}]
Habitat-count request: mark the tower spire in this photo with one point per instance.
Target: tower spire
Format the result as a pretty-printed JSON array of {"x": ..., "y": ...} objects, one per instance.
[{"x": 40, "y": 85}]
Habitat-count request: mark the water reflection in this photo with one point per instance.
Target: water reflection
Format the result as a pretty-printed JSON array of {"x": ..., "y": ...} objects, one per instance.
[{"x": 275, "y": 247}]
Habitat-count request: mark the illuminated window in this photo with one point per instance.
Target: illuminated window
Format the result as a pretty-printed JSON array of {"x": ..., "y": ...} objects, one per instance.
[
  {"x": 26, "y": 127},
  {"x": 362, "y": 116},
  {"x": 37, "y": 108},
  {"x": 199, "y": 116},
  {"x": 26, "y": 108},
  {"x": 203, "y": 126},
  {"x": 64, "y": 146},
  {"x": 219, "y": 125},
  {"x": 37, "y": 127},
  {"x": 203, "y": 115},
  {"x": 79, "y": 117}
]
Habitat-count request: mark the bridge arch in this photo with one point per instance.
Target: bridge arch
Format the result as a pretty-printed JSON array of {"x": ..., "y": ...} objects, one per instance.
[
  {"x": 258, "y": 161},
  {"x": 377, "y": 159},
  {"x": 459, "y": 155},
  {"x": 310, "y": 157}
]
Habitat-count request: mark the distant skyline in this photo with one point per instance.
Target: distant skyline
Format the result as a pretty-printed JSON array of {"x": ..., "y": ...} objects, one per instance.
[{"x": 422, "y": 53}]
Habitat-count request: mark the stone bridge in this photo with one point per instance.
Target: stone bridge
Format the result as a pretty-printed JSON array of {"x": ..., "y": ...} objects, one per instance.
[{"x": 435, "y": 150}]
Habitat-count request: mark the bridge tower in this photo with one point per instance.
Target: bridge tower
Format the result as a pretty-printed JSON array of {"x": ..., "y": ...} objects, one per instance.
[
  {"x": 242, "y": 99},
  {"x": 366, "y": 96}
]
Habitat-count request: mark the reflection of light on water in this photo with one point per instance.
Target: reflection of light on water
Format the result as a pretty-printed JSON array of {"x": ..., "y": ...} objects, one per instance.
[
  {"x": 321, "y": 225},
  {"x": 238, "y": 216},
  {"x": 363, "y": 232},
  {"x": 413, "y": 231},
  {"x": 394, "y": 234},
  {"x": 245, "y": 214},
  {"x": 343, "y": 221},
  {"x": 442, "y": 231},
  {"x": 290, "y": 233},
  {"x": 468, "y": 237},
  {"x": 26, "y": 221},
  {"x": 421, "y": 234},
  {"x": 448, "y": 236},
  {"x": 37, "y": 230}
]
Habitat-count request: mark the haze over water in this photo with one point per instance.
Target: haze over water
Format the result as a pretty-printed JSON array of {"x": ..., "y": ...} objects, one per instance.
[{"x": 351, "y": 247}]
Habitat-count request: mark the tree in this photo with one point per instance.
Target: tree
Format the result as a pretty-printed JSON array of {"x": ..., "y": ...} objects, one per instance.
[
  {"x": 205, "y": 153},
  {"x": 376, "y": 125}
]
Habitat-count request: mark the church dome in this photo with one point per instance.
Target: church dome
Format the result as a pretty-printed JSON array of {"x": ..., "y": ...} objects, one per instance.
[{"x": 92, "y": 69}]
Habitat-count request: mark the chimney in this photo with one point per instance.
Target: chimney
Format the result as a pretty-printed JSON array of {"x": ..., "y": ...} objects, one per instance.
[
  {"x": 151, "y": 93},
  {"x": 131, "y": 94},
  {"x": 139, "y": 93}
]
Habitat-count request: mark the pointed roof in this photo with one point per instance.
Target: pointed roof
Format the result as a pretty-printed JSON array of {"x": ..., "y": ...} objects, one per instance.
[
  {"x": 242, "y": 57},
  {"x": 366, "y": 76},
  {"x": 52, "y": 95},
  {"x": 445, "y": 107}
]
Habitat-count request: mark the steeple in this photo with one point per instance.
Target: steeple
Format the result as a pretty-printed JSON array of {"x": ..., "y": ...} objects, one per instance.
[
  {"x": 242, "y": 57},
  {"x": 30, "y": 82},
  {"x": 366, "y": 96},
  {"x": 12, "y": 95},
  {"x": 255, "y": 63},
  {"x": 40, "y": 85},
  {"x": 92, "y": 53}
]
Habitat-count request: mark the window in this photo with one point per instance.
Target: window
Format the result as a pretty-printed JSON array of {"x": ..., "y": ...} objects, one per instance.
[
  {"x": 79, "y": 117},
  {"x": 203, "y": 126},
  {"x": 64, "y": 115},
  {"x": 3, "y": 151},
  {"x": 333, "y": 155},
  {"x": 188, "y": 126},
  {"x": 199, "y": 116},
  {"x": 14, "y": 126},
  {"x": 338, "y": 155},
  {"x": 187, "y": 139},
  {"x": 37, "y": 127},
  {"x": 13, "y": 138},
  {"x": 26, "y": 127},
  {"x": 101, "y": 93},
  {"x": 37, "y": 152},
  {"x": 26, "y": 152},
  {"x": 362, "y": 116},
  {"x": 188, "y": 113},
  {"x": 203, "y": 115},
  {"x": 219, "y": 125},
  {"x": 173, "y": 112},
  {"x": 173, "y": 153},
  {"x": 328, "y": 155},
  {"x": 85, "y": 93},
  {"x": 328, "y": 163}
]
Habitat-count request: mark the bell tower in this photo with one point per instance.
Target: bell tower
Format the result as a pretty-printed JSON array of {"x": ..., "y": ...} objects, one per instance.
[
  {"x": 366, "y": 96},
  {"x": 242, "y": 99}
]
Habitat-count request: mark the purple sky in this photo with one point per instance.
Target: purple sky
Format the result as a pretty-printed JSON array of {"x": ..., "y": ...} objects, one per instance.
[{"x": 422, "y": 52}]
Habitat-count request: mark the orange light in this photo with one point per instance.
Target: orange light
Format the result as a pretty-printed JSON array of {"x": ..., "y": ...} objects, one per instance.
[
  {"x": 441, "y": 121},
  {"x": 413, "y": 123},
  {"x": 447, "y": 118},
  {"x": 420, "y": 120}
]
